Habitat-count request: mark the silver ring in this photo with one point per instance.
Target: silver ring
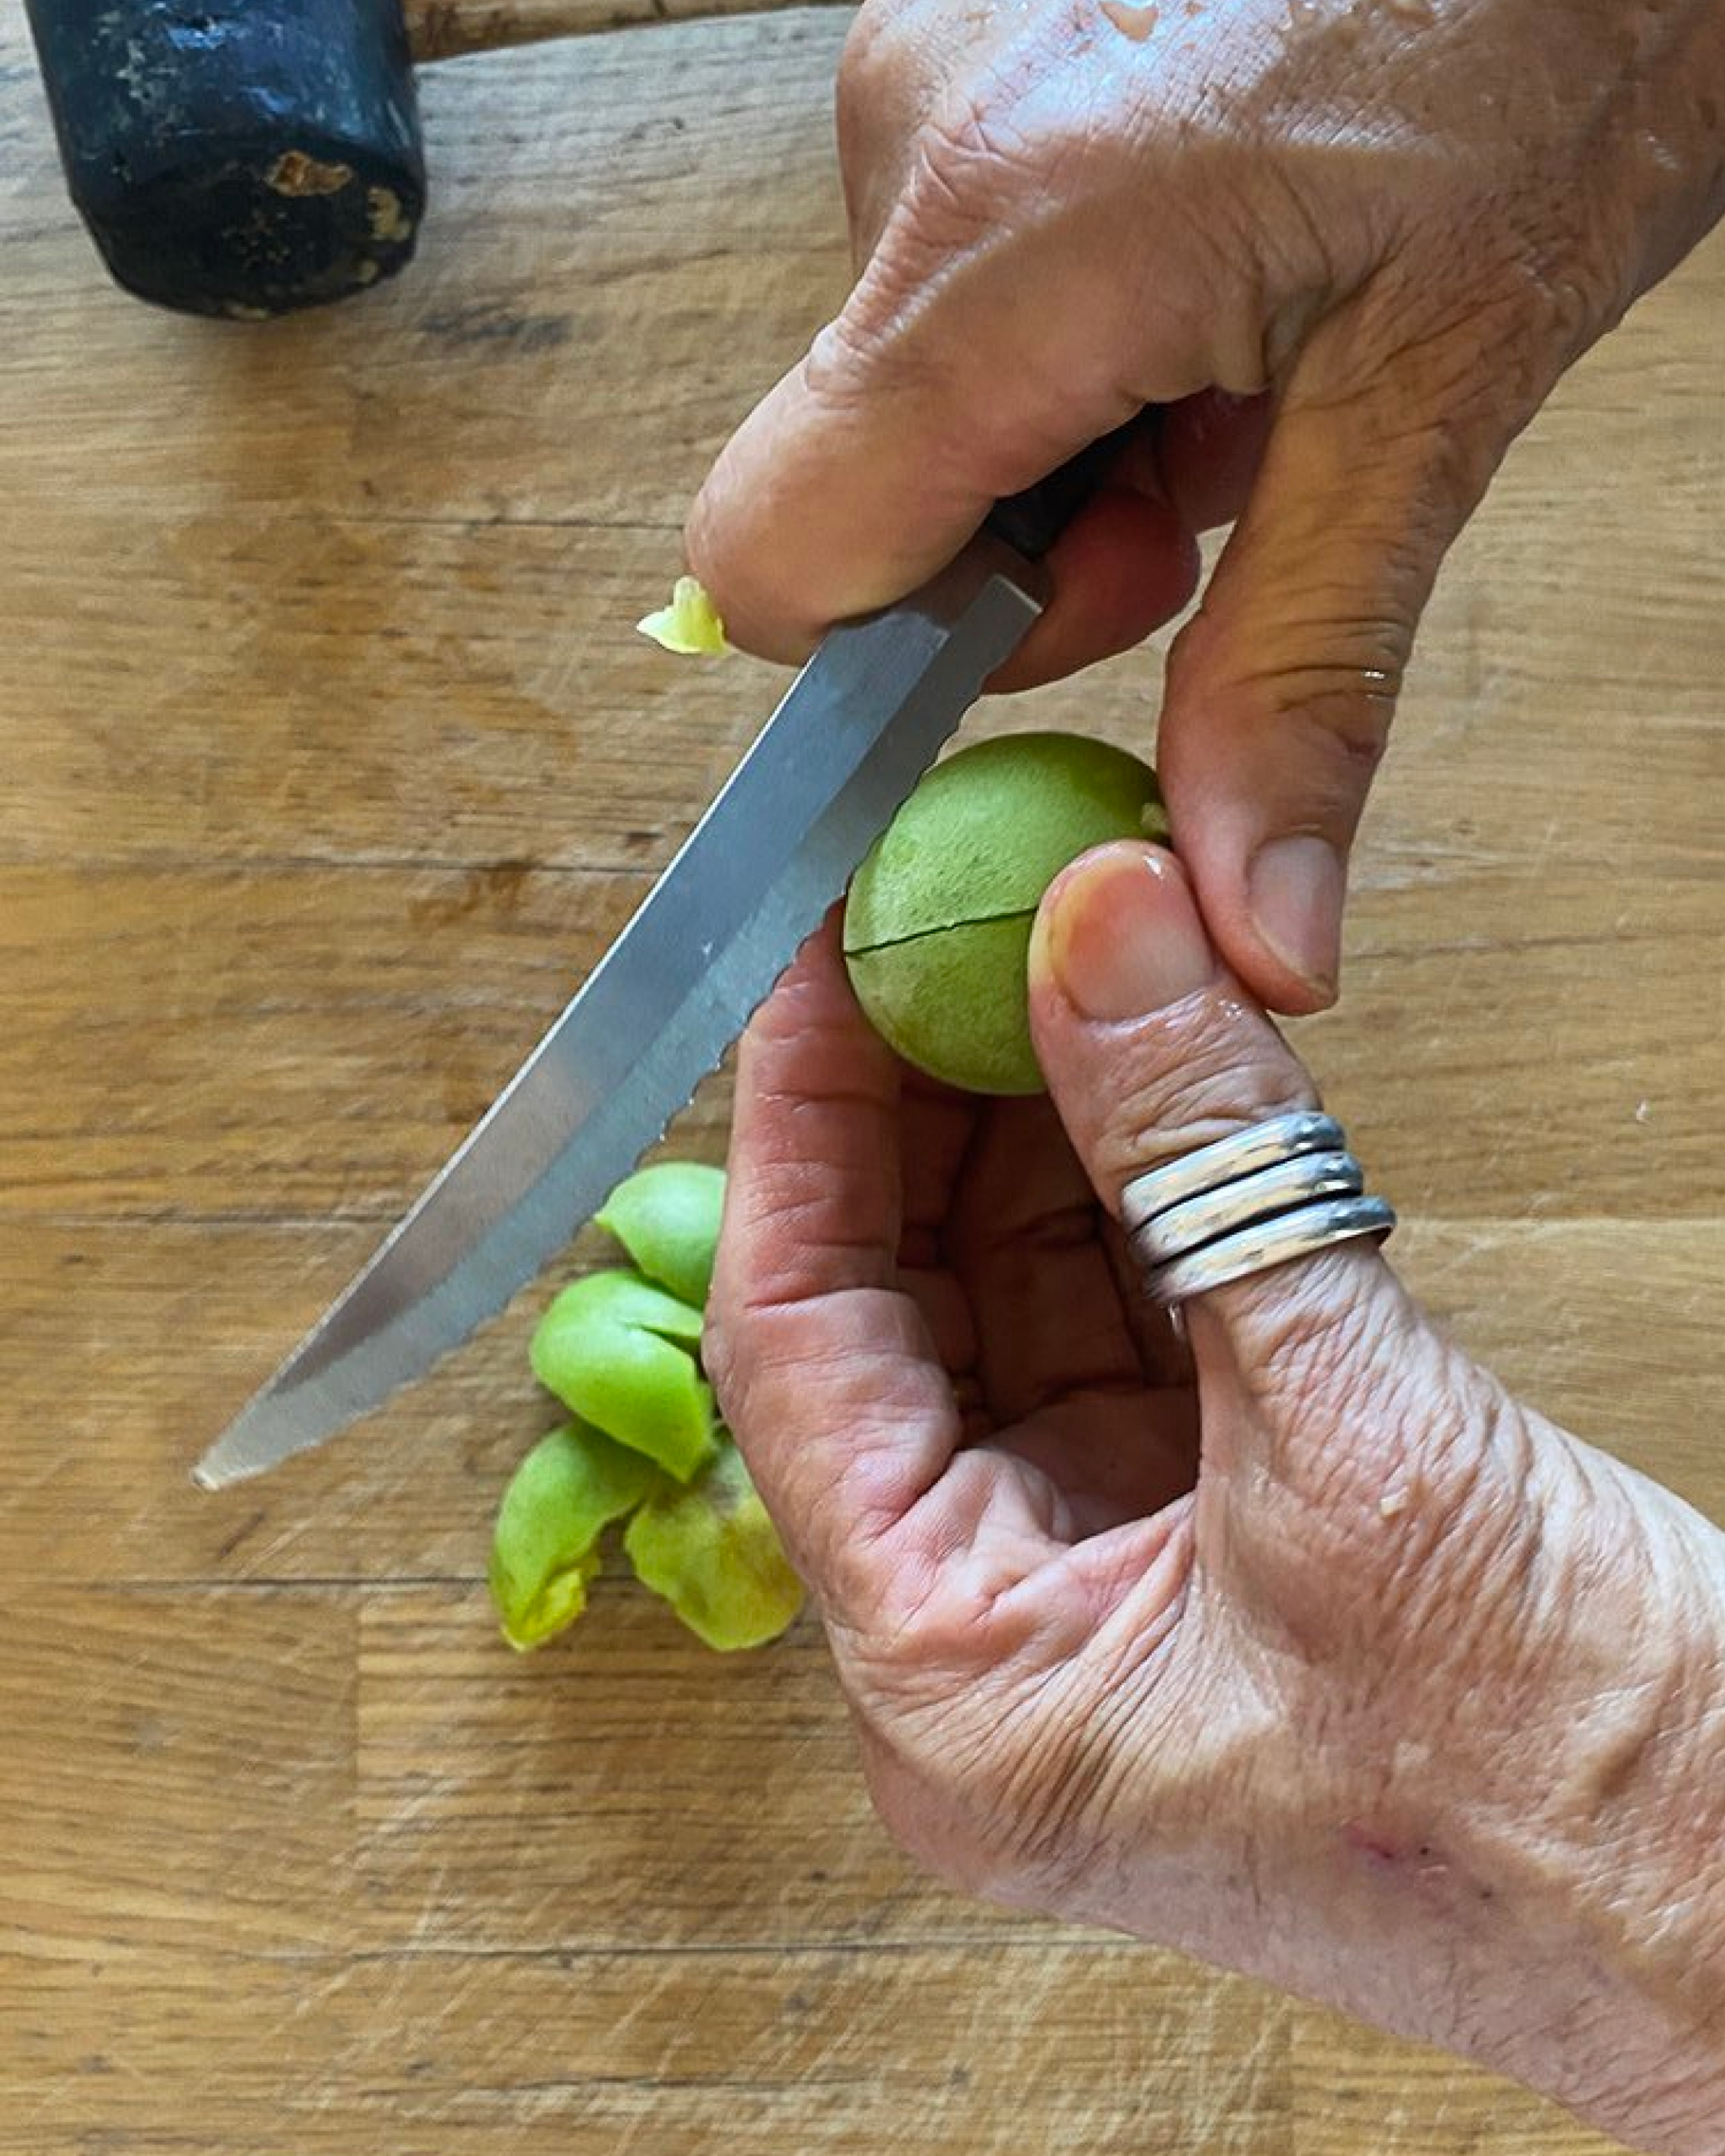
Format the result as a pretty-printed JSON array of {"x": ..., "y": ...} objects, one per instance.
[
  {"x": 1265, "y": 1145},
  {"x": 1212, "y": 1214},
  {"x": 1277, "y": 1242}
]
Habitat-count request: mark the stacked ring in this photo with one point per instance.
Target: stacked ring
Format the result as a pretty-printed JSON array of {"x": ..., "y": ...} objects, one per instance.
[{"x": 1281, "y": 1190}]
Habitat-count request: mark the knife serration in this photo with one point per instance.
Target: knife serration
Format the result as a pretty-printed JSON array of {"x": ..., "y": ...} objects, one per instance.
[{"x": 862, "y": 721}]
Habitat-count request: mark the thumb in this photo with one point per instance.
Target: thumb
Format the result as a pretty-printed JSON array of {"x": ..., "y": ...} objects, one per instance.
[
  {"x": 1367, "y": 1488},
  {"x": 1152, "y": 1049},
  {"x": 1281, "y": 690}
]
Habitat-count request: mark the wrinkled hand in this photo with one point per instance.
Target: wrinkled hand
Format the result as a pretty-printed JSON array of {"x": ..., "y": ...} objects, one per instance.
[
  {"x": 1308, "y": 1650},
  {"x": 1403, "y": 218}
]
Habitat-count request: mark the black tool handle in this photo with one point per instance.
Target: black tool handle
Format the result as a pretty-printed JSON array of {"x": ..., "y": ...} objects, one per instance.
[
  {"x": 238, "y": 157},
  {"x": 1032, "y": 521}
]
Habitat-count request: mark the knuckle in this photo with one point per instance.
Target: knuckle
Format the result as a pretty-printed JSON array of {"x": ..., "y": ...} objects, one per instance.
[
  {"x": 720, "y": 1355},
  {"x": 971, "y": 159},
  {"x": 1006, "y": 141},
  {"x": 1333, "y": 720},
  {"x": 1498, "y": 306},
  {"x": 1318, "y": 659},
  {"x": 1325, "y": 657},
  {"x": 858, "y": 354},
  {"x": 1428, "y": 381},
  {"x": 875, "y": 47},
  {"x": 1314, "y": 711},
  {"x": 1218, "y": 1069},
  {"x": 878, "y": 79},
  {"x": 879, "y": 349},
  {"x": 728, "y": 1330}
]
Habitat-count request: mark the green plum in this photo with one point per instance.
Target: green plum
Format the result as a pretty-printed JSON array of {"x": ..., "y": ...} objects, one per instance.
[{"x": 937, "y": 924}]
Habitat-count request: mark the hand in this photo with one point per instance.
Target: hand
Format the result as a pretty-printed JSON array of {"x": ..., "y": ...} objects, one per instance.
[
  {"x": 1309, "y": 1651},
  {"x": 1404, "y": 219}
]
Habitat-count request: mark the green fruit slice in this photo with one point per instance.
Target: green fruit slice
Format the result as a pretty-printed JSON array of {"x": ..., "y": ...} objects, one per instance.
[
  {"x": 690, "y": 625},
  {"x": 612, "y": 1348},
  {"x": 667, "y": 1218},
  {"x": 545, "y": 1548},
  {"x": 713, "y": 1552}
]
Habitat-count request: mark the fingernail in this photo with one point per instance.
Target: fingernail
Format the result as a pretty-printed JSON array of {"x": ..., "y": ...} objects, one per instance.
[
  {"x": 1122, "y": 936},
  {"x": 1294, "y": 886}
]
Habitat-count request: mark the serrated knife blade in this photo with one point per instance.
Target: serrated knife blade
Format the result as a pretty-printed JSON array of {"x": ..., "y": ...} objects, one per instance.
[{"x": 863, "y": 721}]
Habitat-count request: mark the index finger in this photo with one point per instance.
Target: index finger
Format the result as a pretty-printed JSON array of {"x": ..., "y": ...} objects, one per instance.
[{"x": 825, "y": 1370}]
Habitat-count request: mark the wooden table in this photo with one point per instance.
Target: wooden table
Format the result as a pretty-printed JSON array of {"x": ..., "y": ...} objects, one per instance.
[{"x": 331, "y": 761}]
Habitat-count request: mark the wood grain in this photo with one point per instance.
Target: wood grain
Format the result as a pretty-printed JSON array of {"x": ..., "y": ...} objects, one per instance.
[
  {"x": 332, "y": 760},
  {"x": 440, "y": 28}
]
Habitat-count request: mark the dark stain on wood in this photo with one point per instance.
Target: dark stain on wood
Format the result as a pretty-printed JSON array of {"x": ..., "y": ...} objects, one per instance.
[{"x": 511, "y": 334}]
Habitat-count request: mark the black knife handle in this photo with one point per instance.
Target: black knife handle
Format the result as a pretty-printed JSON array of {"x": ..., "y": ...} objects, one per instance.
[{"x": 1032, "y": 521}]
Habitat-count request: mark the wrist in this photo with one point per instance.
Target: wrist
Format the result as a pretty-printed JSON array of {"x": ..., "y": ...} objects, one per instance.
[
  {"x": 1590, "y": 1818},
  {"x": 1491, "y": 1816},
  {"x": 1639, "y": 1815},
  {"x": 1513, "y": 1844}
]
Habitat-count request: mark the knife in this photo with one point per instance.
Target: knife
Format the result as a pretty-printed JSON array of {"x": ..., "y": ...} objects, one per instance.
[{"x": 858, "y": 727}]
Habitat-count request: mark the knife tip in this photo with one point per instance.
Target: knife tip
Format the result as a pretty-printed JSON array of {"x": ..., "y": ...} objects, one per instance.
[
  {"x": 214, "y": 1471},
  {"x": 234, "y": 1456}
]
